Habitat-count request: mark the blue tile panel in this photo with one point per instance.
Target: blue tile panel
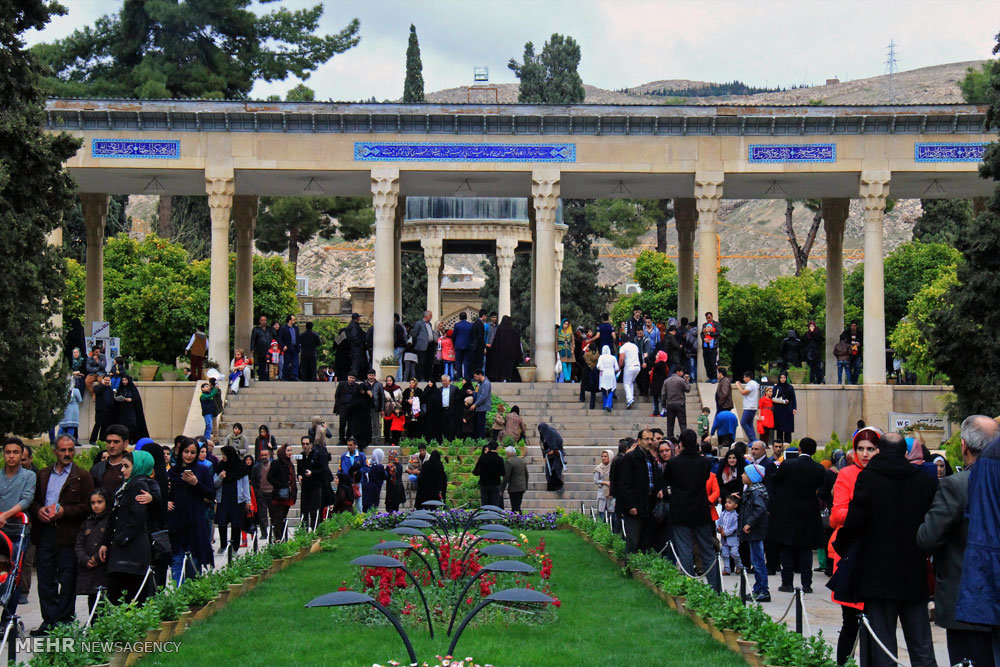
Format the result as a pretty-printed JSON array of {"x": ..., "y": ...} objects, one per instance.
[
  {"x": 949, "y": 152},
  {"x": 792, "y": 153},
  {"x": 371, "y": 151},
  {"x": 156, "y": 149}
]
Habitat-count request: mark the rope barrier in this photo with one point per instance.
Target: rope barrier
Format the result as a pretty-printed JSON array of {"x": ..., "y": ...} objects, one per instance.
[
  {"x": 805, "y": 619},
  {"x": 6, "y": 632},
  {"x": 715, "y": 563},
  {"x": 180, "y": 581},
  {"x": 788, "y": 609},
  {"x": 142, "y": 586},
  {"x": 97, "y": 601},
  {"x": 878, "y": 642}
]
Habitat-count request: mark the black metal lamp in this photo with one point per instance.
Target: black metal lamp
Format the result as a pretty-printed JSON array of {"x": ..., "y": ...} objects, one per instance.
[
  {"x": 509, "y": 595},
  {"x": 352, "y": 598},
  {"x": 505, "y": 566},
  {"x": 392, "y": 545},
  {"x": 413, "y": 532},
  {"x": 501, "y": 551},
  {"x": 421, "y": 524},
  {"x": 375, "y": 560},
  {"x": 497, "y": 537},
  {"x": 494, "y": 527}
]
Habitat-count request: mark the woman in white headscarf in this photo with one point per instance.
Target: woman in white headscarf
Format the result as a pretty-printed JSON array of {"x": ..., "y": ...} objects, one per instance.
[
  {"x": 607, "y": 366},
  {"x": 602, "y": 478},
  {"x": 371, "y": 484}
]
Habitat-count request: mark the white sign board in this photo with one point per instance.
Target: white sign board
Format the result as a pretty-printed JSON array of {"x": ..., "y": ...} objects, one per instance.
[
  {"x": 901, "y": 420},
  {"x": 100, "y": 329}
]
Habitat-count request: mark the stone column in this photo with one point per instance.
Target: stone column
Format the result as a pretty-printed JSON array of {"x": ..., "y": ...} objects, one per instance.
[
  {"x": 560, "y": 254},
  {"x": 385, "y": 193},
  {"x": 545, "y": 188},
  {"x": 533, "y": 262},
  {"x": 835, "y": 213},
  {"x": 245, "y": 220},
  {"x": 397, "y": 265},
  {"x": 874, "y": 190},
  {"x": 505, "y": 264},
  {"x": 708, "y": 194},
  {"x": 433, "y": 258},
  {"x": 686, "y": 219},
  {"x": 55, "y": 239},
  {"x": 95, "y": 213},
  {"x": 220, "y": 189}
]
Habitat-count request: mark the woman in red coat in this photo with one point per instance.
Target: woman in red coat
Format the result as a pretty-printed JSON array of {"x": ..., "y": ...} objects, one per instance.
[
  {"x": 865, "y": 447},
  {"x": 765, "y": 418}
]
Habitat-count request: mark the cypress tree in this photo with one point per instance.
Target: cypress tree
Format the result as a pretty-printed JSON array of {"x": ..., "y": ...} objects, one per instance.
[
  {"x": 35, "y": 193},
  {"x": 413, "y": 88}
]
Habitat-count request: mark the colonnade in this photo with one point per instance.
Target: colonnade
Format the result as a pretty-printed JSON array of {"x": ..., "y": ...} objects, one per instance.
[{"x": 693, "y": 214}]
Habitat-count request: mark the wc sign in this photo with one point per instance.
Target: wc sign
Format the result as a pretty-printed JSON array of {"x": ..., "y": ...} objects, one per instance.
[{"x": 901, "y": 420}]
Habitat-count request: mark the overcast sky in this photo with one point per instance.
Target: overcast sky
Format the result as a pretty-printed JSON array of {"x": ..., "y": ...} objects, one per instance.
[{"x": 630, "y": 42}]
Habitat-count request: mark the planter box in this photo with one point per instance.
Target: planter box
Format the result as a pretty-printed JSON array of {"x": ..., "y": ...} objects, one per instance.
[
  {"x": 169, "y": 376},
  {"x": 527, "y": 373},
  {"x": 235, "y": 590},
  {"x": 167, "y": 630},
  {"x": 203, "y": 612},
  {"x": 390, "y": 370},
  {"x": 183, "y": 621},
  {"x": 732, "y": 639},
  {"x": 147, "y": 373}
]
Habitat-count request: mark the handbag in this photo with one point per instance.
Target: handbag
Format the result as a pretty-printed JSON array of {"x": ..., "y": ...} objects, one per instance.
[
  {"x": 844, "y": 582},
  {"x": 357, "y": 490},
  {"x": 283, "y": 494},
  {"x": 160, "y": 546},
  {"x": 660, "y": 512}
]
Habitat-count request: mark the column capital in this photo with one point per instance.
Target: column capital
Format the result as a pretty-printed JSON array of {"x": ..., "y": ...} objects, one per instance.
[
  {"x": 245, "y": 208},
  {"x": 874, "y": 189},
  {"x": 708, "y": 189},
  {"x": 545, "y": 189},
  {"x": 220, "y": 190},
  {"x": 835, "y": 209},
  {"x": 560, "y": 254},
  {"x": 685, "y": 213},
  {"x": 385, "y": 193},
  {"x": 94, "y": 203},
  {"x": 505, "y": 252},
  {"x": 433, "y": 249}
]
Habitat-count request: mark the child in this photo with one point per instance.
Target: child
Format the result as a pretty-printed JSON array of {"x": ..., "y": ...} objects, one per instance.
[
  {"x": 91, "y": 571},
  {"x": 273, "y": 360},
  {"x": 116, "y": 372},
  {"x": 703, "y": 424},
  {"x": 499, "y": 421},
  {"x": 208, "y": 410},
  {"x": 397, "y": 422},
  {"x": 753, "y": 527},
  {"x": 446, "y": 345},
  {"x": 238, "y": 441},
  {"x": 728, "y": 526}
]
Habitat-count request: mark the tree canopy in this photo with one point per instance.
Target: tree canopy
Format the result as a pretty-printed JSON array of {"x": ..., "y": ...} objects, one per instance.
[
  {"x": 551, "y": 77},
  {"x": 35, "y": 194},
  {"x": 197, "y": 48},
  {"x": 413, "y": 86},
  {"x": 941, "y": 219}
]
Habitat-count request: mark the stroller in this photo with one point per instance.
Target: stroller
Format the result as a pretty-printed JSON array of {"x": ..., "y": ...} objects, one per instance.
[{"x": 10, "y": 577}]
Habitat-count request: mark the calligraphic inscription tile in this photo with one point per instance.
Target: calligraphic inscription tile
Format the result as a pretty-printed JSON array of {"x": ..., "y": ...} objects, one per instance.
[
  {"x": 792, "y": 153},
  {"x": 949, "y": 152},
  {"x": 371, "y": 151},
  {"x": 156, "y": 149}
]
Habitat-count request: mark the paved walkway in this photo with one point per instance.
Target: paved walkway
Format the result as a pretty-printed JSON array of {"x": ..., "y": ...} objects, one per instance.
[{"x": 824, "y": 614}]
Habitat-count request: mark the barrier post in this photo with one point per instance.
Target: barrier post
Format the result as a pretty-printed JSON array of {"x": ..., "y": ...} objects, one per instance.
[{"x": 798, "y": 610}]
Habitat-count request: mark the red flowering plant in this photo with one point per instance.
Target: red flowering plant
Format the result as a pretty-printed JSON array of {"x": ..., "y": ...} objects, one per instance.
[{"x": 394, "y": 590}]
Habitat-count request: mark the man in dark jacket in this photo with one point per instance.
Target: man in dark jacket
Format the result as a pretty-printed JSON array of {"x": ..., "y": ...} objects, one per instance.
[
  {"x": 815, "y": 353},
  {"x": 795, "y": 522},
  {"x": 690, "y": 514},
  {"x": 310, "y": 343},
  {"x": 452, "y": 409},
  {"x": 639, "y": 484},
  {"x": 634, "y": 324},
  {"x": 289, "y": 340},
  {"x": 104, "y": 403},
  {"x": 478, "y": 349},
  {"x": 891, "y": 497},
  {"x": 490, "y": 470},
  {"x": 398, "y": 340},
  {"x": 674, "y": 400},
  {"x": 944, "y": 533},
  {"x": 260, "y": 340},
  {"x": 375, "y": 411},
  {"x": 62, "y": 502},
  {"x": 462, "y": 334},
  {"x": 355, "y": 339},
  {"x": 723, "y": 392},
  {"x": 625, "y": 445},
  {"x": 343, "y": 400}
]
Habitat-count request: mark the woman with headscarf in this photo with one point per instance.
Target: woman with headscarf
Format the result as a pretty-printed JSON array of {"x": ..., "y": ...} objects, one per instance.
[
  {"x": 190, "y": 487},
  {"x": 239, "y": 374},
  {"x": 371, "y": 483},
  {"x": 264, "y": 439},
  {"x": 730, "y": 475},
  {"x": 943, "y": 467},
  {"x": 281, "y": 475},
  {"x": 784, "y": 409},
  {"x": 78, "y": 367},
  {"x": 565, "y": 344},
  {"x": 607, "y": 366},
  {"x": 233, "y": 483},
  {"x": 552, "y": 451},
  {"x": 657, "y": 376},
  {"x": 126, "y": 547},
  {"x": 319, "y": 432},
  {"x": 917, "y": 454},
  {"x": 504, "y": 351},
  {"x": 865, "y": 447},
  {"x": 395, "y": 492},
  {"x": 602, "y": 478},
  {"x": 128, "y": 409},
  {"x": 392, "y": 396},
  {"x": 432, "y": 482},
  {"x": 430, "y": 403},
  {"x": 413, "y": 409}
]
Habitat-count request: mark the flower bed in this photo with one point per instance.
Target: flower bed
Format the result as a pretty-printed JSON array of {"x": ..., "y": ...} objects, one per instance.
[
  {"x": 389, "y": 520},
  {"x": 167, "y": 613},
  {"x": 745, "y": 629},
  {"x": 394, "y": 590}
]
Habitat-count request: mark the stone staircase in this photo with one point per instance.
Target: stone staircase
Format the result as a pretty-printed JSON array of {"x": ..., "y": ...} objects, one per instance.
[{"x": 288, "y": 407}]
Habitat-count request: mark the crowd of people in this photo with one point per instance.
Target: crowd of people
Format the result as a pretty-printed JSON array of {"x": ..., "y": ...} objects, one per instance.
[{"x": 894, "y": 526}]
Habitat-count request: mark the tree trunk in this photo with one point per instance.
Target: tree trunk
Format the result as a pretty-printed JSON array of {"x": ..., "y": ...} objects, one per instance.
[
  {"x": 293, "y": 249},
  {"x": 811, "y": 237},
  {"x": 790, "y": 232},
  {"x": 165, "y": 217}
]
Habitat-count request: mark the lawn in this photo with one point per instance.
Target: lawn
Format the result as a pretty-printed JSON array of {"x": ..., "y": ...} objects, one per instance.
[{"x": 604, "y": 619}]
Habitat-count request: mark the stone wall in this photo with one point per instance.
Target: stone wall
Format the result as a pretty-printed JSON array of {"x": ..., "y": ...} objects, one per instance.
[{"x": 166, "y": 406}]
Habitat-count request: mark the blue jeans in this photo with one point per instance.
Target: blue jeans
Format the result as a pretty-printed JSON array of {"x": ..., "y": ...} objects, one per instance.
[
  {"x": 759, "y": 567},
  {"x": 609, "y": 398},
  {"x": 193, "y": 567},
  {"x": 693, "y": 368},
  {"x": 855, "y": 369},
  {"x": 843, "y": 371},
  {"x": 462, "y": 363},
  {"x": 746, "y": 421},
  {"x": 704, "y": 535},
  {"x": 208, "y": 427},
  {"x": 448, "y": 368},
  {"x": 479, "y": 425},
  {"x": 567, "y": 368},
  {"x": 398, "y": 353}
]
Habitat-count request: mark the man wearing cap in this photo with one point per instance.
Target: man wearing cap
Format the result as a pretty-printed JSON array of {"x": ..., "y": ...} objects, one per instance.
[
  {"x": 356, "y": 343},
  {"x": 795, "y": 521}
]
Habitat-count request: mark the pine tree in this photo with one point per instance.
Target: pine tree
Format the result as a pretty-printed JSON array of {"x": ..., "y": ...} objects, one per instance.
[
  {"x": 550, "y": 77},
  {"x": 413, "y": 88},
  {"x": 942, "y": 219},
  {"x": 35, "y": 193}
]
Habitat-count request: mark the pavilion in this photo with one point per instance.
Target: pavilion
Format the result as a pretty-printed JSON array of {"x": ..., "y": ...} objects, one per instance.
[{"x": 237, "y": 151}]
